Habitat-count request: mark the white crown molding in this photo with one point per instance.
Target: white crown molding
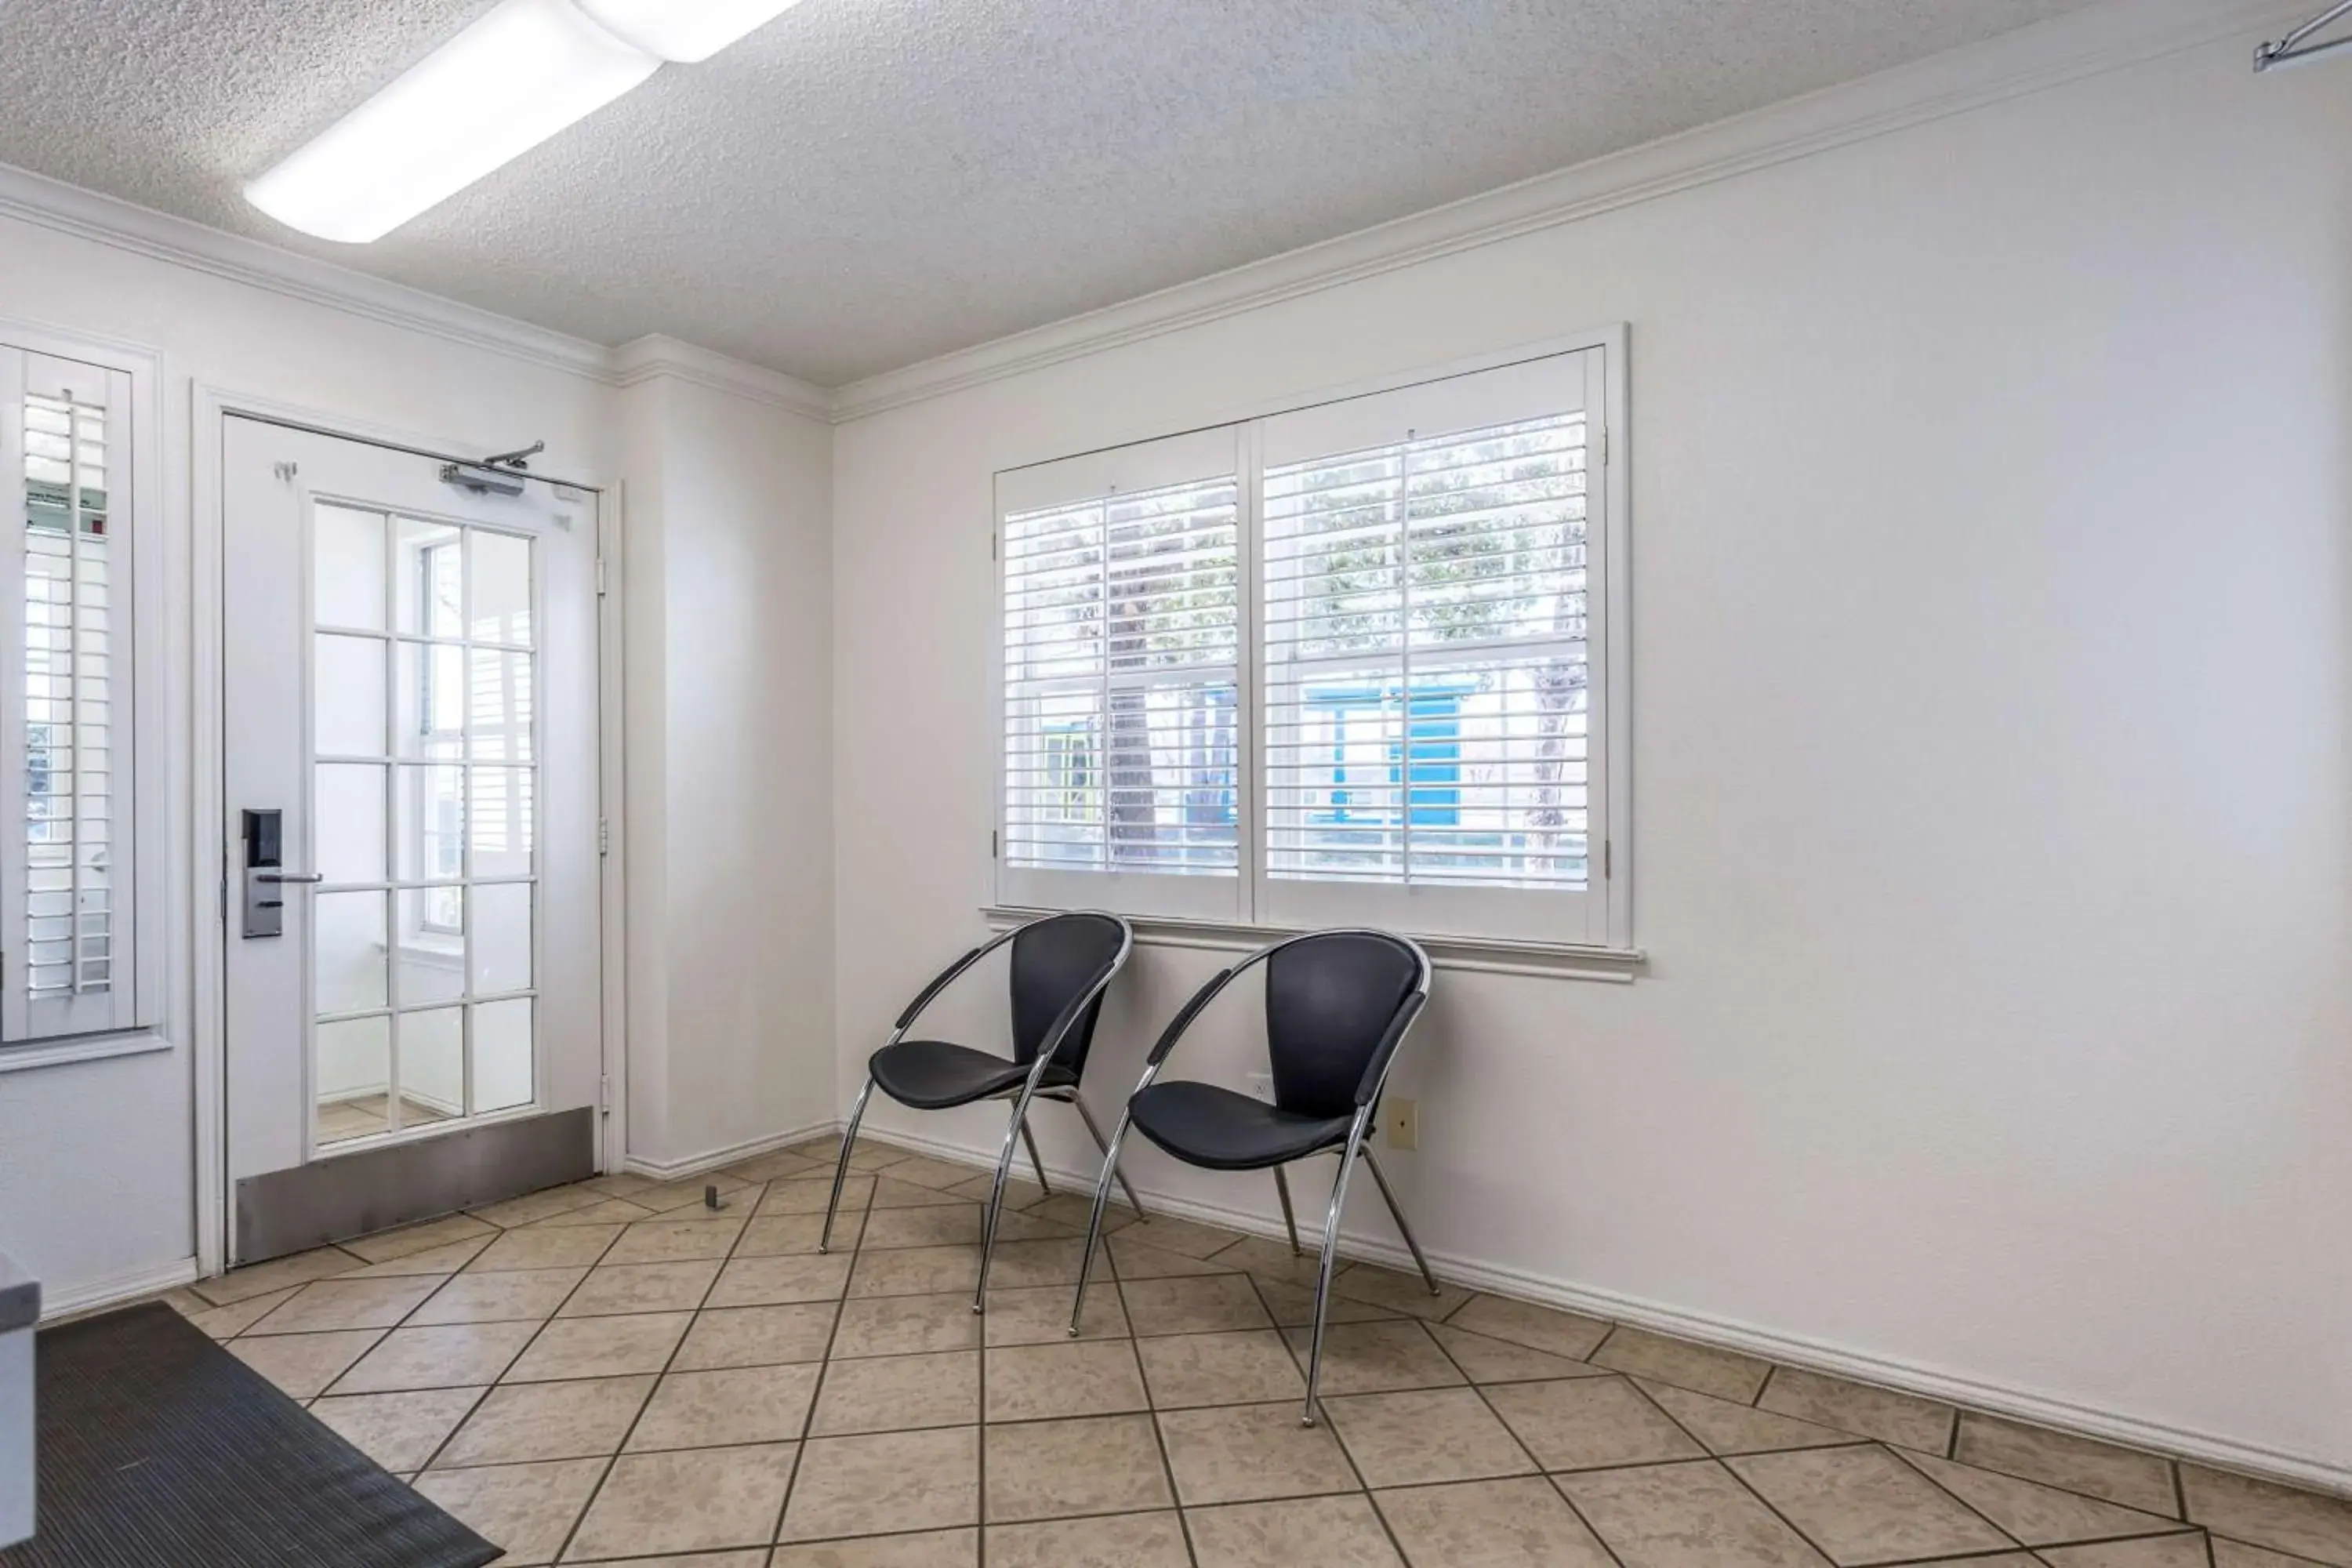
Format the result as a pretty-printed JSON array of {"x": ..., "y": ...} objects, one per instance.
[
  {"x": 642, "y": 359},
  {"x": 2049, "y": 54}
]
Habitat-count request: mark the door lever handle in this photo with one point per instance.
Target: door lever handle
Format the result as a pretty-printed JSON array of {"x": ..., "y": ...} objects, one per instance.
[{"x": 286, "y": 876}]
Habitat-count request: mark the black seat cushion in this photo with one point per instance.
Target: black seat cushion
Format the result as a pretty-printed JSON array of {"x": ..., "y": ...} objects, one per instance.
[
  {"x": 931, "y": 1075},
  {"x": 1202, "y": 1124}
]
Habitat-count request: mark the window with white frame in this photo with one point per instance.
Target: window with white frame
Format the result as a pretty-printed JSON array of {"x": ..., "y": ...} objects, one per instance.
[
  {"x": 1344, "y": 664},
  {"x": 73, "y": 875}
]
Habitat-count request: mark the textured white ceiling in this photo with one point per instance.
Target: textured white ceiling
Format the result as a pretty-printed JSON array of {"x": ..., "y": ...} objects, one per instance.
[{"x": 864, "y": 183}]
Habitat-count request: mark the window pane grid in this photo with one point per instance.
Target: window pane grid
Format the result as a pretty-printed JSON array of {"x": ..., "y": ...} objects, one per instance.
[
  {"x": 443, "y": 934},
  {"x": 1427, "y": 702}
]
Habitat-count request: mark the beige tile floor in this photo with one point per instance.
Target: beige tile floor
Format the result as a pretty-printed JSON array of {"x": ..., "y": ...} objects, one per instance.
[{"x": 610, "y": 1374}]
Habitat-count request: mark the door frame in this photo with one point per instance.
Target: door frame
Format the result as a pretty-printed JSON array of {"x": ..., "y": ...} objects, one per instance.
[{"x": 211, "y": 406}]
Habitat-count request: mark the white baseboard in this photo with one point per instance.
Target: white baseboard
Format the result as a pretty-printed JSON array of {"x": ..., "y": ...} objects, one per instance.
[
  {"x": 1908, "y": 1378},
  {"x": 116, "y": 1288},
  {"x": 711, "y": 1159}
]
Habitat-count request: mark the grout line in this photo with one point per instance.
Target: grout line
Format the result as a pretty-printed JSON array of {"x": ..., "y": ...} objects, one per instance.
[{"x": 825, "y": 1366}]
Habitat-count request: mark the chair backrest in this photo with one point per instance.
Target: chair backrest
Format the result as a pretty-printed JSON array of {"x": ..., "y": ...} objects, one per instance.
[
  {"x": 1054, "y": 961},
  {"x": 1328, "y": 1001}
]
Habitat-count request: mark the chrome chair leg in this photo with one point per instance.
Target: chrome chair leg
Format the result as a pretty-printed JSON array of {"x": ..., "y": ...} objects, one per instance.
[
  {"x": 1289, "y": 1220},
  {"x": 841, "y": 1169},
  {"x": 1330, "y": 1255},
  {"x": 1035, "y": 1164},
  {"x": 1093, "y": 1220},
  {"x": 1012, "y": 1135},
  {"x": 1397, "y": 1213},
  {"x": 1096, "y": 1133}
]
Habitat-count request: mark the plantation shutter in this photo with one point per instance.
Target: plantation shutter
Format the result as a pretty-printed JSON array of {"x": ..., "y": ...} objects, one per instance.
[
  {"x": 1121, "y": 618},
  {"x": 66, "y": 883},
  {"x": 1431, "y": 735}
]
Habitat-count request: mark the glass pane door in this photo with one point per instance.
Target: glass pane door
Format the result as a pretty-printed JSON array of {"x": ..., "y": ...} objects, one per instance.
[{"x": 423, "y": 764}]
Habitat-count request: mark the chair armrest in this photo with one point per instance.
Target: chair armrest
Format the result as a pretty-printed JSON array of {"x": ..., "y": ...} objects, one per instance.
[
  {"x": 1376, "y": 1070},
  {"x": 946, "y": 976},
  {"x": 1184, "y": 1016}
]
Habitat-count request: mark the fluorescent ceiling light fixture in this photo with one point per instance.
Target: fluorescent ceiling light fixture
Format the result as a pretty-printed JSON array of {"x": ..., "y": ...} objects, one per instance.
[
  {"x": 684, "y": 30},
  {"x": 521, "y": 72}
]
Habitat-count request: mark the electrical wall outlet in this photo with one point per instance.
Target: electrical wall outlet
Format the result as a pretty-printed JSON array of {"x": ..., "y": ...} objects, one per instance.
[{"x": 1401, "y": 1120}]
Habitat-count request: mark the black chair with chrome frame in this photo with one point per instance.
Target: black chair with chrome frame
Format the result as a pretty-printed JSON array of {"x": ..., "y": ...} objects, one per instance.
[
  {"x": 1060, "y": 966},
  {"x": 1338, "y": 1004}
]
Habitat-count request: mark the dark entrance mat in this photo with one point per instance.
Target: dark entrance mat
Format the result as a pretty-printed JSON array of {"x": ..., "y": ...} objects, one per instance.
[{"x": 157, "y": 1446}]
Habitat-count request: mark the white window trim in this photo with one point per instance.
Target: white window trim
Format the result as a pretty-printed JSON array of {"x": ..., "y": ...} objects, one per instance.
[
  {"x": 1614, "y": 956},
  {"x": 160, "y": 885}
]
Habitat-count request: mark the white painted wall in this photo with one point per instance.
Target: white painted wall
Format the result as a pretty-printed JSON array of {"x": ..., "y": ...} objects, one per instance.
[
  {"x": 730, "y": 790},
  {"x": 1993, "y": 748}
]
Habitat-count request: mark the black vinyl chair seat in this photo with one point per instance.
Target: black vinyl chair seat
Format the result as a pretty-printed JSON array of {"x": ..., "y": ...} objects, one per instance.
[
  {"x": 1218, "y": 1130},
  {"x": 934, "y": 1075}
]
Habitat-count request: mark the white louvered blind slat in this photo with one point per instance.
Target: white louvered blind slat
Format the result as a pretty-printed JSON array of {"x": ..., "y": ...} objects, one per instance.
[{"x": 1427, "y": 711}]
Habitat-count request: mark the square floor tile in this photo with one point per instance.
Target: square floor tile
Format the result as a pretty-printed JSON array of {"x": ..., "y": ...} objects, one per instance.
[
  {"x": 1183, "y": 1236},
  {"x": 398, "y": 1431},
  {"x": 1019, "y": 1193},
  {"x": 521, "y": 1296},
  {"x": 890, "y": 1195},
  {"x": 604, "y": 1211},
  {"x": 766, "y": 1281},
  {"x": 279, "y": 1273},
  {"x": 1901, "y": 1419},
  {"x": 1242, "y": 1453},
  {"x": 1685, "y": 1516},
  {"x": 2060, "y": 1460},
  {"x": 1251, "y": 1366},
  {"x": 925, "y": 1172},
  {"x": 1425, "y": 1436},
  {"x": 601, "y": 1347},
  {"x": 386, "y": 1245},
  {"x": 1122, "y": 1540},
  {"x": 1071, "y": 1210},
  {"x": 557, "y": 1246},
  {"x": 1375, "y": 1358},
  {"x": 1205, "y": 1305},
  {"x": 2267, "y": 1514},
  {"x": 1400, "y": 1292},
  {"x": 535, "y": 1206},
  {"x": 716, "y": 1409},
  {"x": 810, "y": 1196},
  {"x": 2186, "y": 1549},
  {"x": 1490, "y": 1524},
  {"x": 618, "y": 1290},
  {"x": 303, "y": 1365},
  {"x": 792, "y": 1235},
  {"x": 1132, "y": 1259},
  {"x": 2035, "y": 1514},
  {"x": 326, "y": 1304},
  {"x": 447, "y": 1356},
  {"x": 1050, "y": 1469},
  {"x": 675, "y": 1240},
  {"x": 1042, "y": 1315},
  {"x": 1584, "y": 1423},
  {"x": 1545, "y": 1329},
  {"x": 526, "y": 1508},
  {"x": 227, "y": 1322},
  {"x": 888, "y": 1481},
  {"x": 1328, "y": 1532},
  {"x": 526, "y": 1421},
  {"x": 956, "y": 1225},
  {"x": 756, "y": 1336},
  {"x": 1076, "y": 1377},
  {"x": 1027, "y": 1265},
  {"x": 1483, "y": 1360},
  {"x": 896, "y": 1393},
  {"x": 1272, "y": 1260},
  {"x": 1728, "y": 1429},
  {"x": 915, "y": 1271},
  {"x": 924, "y": 1549},
  {"x": 1863, "y": 1505},
  {"x": 1703, "y": 1369},
  {"x": 906, "y": 1325},
  {"x": 1294, "y": 1307},
  {"x": 446, "y": 1258},
  {"x": 695, "y": 1502}
]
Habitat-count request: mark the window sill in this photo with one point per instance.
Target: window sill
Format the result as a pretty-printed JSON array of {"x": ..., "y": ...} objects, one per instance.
[
  {"x": 91, "y": 1048},
  {"x": 1471, "y": 954}
]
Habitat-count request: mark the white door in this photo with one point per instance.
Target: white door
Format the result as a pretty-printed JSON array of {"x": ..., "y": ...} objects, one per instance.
[{"x": 410, "y": 670}]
